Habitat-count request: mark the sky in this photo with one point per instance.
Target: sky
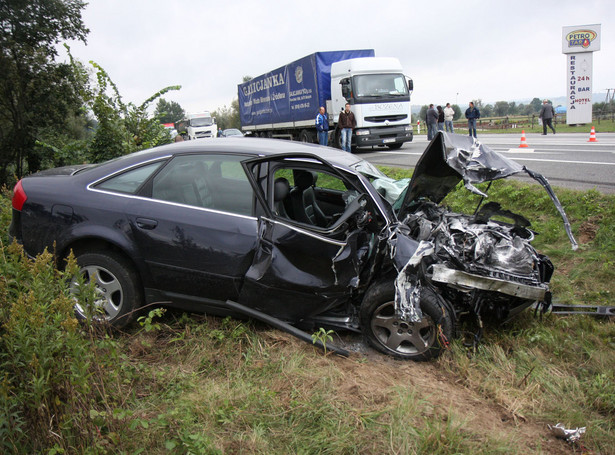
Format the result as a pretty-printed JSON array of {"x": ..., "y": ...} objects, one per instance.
[{"x": 455, "y": 51}]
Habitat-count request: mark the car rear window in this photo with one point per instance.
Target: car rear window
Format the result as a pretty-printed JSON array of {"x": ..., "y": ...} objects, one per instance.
[{"x": 130, "y": 181}]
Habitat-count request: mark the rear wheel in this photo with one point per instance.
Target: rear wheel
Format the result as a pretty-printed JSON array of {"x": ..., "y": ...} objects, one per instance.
[
  {"x": 116, "y": 284},
  {"x": 389, "y": 334},
  {"x": 306, "y": 136}
]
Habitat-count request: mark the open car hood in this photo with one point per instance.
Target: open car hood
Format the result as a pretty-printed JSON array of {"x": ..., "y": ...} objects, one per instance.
[{"x": 450, "y": 158}]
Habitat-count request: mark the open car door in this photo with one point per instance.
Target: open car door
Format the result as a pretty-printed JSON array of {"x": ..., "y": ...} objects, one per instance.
[{"x": 301, "y": 270}]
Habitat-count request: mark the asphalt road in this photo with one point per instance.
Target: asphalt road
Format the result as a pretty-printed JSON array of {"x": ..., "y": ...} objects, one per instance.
[{"x": 566, "y": 160}]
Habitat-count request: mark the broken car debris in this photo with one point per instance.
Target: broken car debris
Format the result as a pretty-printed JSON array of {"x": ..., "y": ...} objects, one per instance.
[{"x": 569, "y": 435}]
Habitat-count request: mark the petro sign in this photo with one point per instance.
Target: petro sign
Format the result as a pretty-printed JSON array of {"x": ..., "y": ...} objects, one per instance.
[{"x": 578, "y": 43}]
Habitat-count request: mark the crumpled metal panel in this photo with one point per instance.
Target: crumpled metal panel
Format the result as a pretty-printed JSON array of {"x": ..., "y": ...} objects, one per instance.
[
  {"x": 450, "y": 158},
  {"x": 443, "y": 274},
  {"x": 408, "y": 285}
]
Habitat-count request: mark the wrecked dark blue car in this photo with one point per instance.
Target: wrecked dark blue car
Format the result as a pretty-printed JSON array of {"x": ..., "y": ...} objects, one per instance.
[{"x": 297, "y": 235}]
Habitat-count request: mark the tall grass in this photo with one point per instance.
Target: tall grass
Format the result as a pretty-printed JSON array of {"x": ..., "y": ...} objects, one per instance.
[{"x": 180, "y": 383}]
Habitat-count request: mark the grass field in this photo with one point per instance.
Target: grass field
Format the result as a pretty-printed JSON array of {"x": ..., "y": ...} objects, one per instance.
[{"x": 193, "y": 384}]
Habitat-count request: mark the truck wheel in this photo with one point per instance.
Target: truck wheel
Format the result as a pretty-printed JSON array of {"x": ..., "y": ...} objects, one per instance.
[
  {"x": 117, "y": 287},
  {"x": 389, "y": 334},
  {"x": 306, "y": 136},
  {"x": 395, "y": 146}
]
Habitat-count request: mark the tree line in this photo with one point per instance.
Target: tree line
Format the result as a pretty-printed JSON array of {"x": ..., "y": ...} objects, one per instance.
[{"x": 54, "y": 114}]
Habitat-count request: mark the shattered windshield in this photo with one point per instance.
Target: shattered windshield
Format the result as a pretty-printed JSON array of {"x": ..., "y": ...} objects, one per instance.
[{"x": 390, "y": 189}]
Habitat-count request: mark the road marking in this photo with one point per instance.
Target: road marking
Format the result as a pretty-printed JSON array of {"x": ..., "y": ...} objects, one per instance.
[
  {"x": 517, "y": 151},
  {"x": 566, "y": 161}
]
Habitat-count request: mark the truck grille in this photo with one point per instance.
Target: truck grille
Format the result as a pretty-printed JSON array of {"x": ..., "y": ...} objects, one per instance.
[{"x": 384, "y": 118}]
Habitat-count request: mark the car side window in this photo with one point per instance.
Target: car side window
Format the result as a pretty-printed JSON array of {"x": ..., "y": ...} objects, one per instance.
[
  {"x": 308, "y": 196},
  {"x": 130, "y": 181},
  {"x": 215, "y": 182}
]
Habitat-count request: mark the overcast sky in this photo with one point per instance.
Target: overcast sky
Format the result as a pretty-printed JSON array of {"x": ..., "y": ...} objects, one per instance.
[{"x": 455, "y": 51}]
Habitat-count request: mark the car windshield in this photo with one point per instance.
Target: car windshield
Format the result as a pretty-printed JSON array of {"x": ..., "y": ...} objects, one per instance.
[
  {"x": 380, "y": 85},
  {"x": 390, "y": 189},
  {"x": 232, "y": 132},
  {"x": 201, "y": 121}
]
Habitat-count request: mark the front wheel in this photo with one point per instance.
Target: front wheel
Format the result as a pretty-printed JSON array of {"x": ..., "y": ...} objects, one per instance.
[
  {"x": 116, "y": 286},
  {"x": 389, "y": 334}
]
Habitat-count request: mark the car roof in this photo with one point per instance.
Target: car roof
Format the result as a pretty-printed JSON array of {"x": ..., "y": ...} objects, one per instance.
[{"x": 247, "y": 146}]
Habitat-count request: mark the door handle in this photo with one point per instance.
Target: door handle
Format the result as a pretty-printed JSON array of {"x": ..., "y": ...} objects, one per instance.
[{"x": 146, "y": 223}]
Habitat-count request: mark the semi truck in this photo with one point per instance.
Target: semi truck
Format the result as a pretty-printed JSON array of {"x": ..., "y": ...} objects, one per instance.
[
  {"x": 283, "y": 103},
  {"x": 197, "y": 125}
]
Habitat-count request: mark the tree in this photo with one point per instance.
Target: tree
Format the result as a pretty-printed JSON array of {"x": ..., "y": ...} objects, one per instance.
[
  {"x": 458, "y": 112},
  {"x": 501, "y": 108},
  {"x": 122, "y": 128},
  {"x": 36, "y": 93},
  {"x": 228, "y": 117},
  {"x": 486, "y": 111},
  {"x": 536, "y": 104},
  {"x": 168, "y": 112},
  {"x": 423, "y": 113}
]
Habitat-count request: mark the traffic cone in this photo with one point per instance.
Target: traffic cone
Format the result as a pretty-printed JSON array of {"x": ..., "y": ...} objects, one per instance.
[
  {"x": 523, "y": 142},
  {"x": 592, "y": 135}
]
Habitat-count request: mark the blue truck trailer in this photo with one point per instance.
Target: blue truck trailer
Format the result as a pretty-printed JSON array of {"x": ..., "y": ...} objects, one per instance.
[{"x": 283, "y": 103}]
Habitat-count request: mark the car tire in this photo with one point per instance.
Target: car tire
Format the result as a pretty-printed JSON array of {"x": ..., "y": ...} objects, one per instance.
[
  {"x": 306, "y": 136},
  {"x": 389, "y": 334},
  {"x": 116, "y": 283}
]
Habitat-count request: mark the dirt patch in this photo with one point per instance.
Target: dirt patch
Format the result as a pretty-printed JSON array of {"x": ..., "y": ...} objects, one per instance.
[{"x": 588, "y": 230}]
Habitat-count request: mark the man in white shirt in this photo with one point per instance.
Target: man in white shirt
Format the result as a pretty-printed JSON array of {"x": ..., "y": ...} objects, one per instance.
[{"x": 449, "y": 113}]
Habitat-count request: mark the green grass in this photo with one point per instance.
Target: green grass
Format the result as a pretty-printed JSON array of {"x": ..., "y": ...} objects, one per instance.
[{"x": 187, "y": 383}]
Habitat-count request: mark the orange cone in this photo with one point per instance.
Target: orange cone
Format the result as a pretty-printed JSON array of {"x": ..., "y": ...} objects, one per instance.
[
  {"x": 523, "y": 142},
  {"x": 592, "y": 135}
]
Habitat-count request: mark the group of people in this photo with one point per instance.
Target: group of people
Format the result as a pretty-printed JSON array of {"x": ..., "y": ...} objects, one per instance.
[
  {"x": 346, "y": 124},
  {"x": 439, "y": 119}
]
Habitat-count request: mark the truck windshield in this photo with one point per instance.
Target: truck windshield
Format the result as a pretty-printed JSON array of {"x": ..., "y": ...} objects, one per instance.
[
  {"x": 201, "y": 121},
  {"x": 380, "y": 85}
]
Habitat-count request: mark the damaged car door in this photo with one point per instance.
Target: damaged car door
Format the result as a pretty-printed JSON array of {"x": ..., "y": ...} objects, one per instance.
[{"x": 309, "y": 254}]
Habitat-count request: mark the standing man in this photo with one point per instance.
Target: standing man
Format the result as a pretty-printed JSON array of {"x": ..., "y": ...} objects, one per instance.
[
  {"x": 432, "y": 122},
  {"x": 546, "y": 114},
  {"x": 449, "y": 113},
  {"x": 472, "y": 114},
  {"x": 347, "y": 123},
  {"x": 322, "y": 126}
]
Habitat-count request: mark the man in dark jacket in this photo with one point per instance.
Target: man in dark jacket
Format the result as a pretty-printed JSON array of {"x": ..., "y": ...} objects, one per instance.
[
  {"x": 322, "y": 126},
  {"x": 546, "y": 114},
  {"x": 472, "y": 114},
  {"x": 347, "y": 123},
  {"x": 432, "y": 122}
]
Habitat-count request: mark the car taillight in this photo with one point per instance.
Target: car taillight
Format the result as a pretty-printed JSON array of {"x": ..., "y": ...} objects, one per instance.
[{"x": 19, "y": 196}]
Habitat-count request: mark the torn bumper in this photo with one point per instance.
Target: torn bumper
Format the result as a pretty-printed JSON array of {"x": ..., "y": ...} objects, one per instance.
[{"x": 443, "y": 274}]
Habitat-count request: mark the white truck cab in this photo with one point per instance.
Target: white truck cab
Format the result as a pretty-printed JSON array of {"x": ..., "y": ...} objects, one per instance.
[
  {"x": 197, "y": 125},
  {"x": 379, "y": 96}
]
